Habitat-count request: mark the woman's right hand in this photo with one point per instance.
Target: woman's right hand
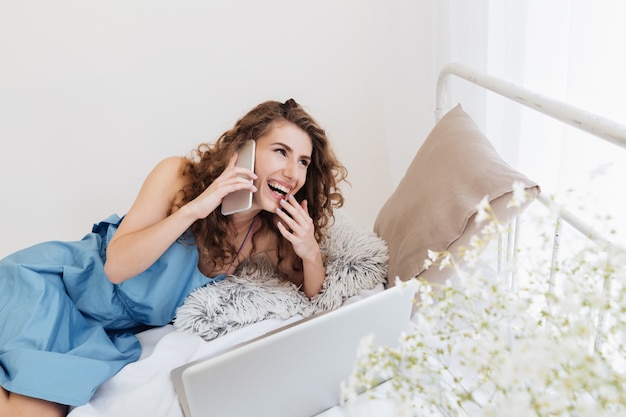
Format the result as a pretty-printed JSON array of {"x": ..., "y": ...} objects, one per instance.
[{"x": 233, "y": 179}]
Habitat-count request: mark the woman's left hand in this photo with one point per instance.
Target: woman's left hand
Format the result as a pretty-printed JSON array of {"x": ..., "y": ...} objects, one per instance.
[{"x": 297, "y": 227}]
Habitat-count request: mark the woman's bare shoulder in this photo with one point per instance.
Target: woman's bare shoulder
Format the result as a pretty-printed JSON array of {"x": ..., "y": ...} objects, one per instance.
[
  {"x": 172, "y": 165},
  {"x": 169, "y": 172},
  {"x": 161, "y": 186}
]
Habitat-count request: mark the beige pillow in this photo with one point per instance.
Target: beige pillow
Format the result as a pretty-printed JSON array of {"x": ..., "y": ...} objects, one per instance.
[{"x": 431, "y": 207}]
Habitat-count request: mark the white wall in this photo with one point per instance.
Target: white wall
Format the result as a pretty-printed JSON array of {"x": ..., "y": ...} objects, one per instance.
[
  {"x": 93, "y": 94},
  {"x": 406, "y": 33}
]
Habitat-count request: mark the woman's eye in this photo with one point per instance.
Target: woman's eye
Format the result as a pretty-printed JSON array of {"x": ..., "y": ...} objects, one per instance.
[
  {"x": 304, "y": 162},
  {"x": 281, "y": 151}
]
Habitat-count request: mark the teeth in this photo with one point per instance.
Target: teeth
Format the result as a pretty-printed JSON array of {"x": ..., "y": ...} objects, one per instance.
[{"x": 277, "y": 187}]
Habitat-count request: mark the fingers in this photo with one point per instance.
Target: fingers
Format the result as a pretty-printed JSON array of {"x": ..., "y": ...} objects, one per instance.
[
  {"x": 232, "y": 179},
  {"x": 232, "y": 169},
  {"x": 295, "y": 221},
  {"x": 236, "y": 178},
  {"x": 292, "y": 213},
  {"x": 233, "y": 160},
  {"x": 297, "y": 227}
]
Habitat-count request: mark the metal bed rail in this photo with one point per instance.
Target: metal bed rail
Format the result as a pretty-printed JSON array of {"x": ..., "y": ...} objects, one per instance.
[{"x": 599, "y": 126}]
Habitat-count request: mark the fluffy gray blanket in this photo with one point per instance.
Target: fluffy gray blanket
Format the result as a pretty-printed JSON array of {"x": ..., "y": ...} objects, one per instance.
[{"x": 355, "y": 259}]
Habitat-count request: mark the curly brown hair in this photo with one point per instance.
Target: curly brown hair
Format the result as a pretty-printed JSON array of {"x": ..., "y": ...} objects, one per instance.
[{"x": 320, "y": 190}]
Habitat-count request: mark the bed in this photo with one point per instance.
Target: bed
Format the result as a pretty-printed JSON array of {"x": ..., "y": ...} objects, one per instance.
[{"x": 441, "y": 222}]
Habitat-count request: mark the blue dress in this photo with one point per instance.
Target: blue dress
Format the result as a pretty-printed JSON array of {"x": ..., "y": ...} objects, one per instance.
[{"x": 65, "y": 328}]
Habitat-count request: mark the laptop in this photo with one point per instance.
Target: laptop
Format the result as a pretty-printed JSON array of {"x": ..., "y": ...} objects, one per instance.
[{"x": 296, "y": 370}]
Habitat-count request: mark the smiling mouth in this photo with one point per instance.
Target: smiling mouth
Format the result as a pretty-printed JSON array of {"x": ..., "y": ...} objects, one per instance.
[{"x": 278, "y": 188}]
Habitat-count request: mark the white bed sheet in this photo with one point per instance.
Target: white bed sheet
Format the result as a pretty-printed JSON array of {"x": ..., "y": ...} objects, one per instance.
[{"x": 144, "y": 388}]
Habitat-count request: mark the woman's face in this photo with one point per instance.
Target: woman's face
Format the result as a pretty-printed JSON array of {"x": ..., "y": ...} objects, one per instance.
[{"x": 282, "y": 159}]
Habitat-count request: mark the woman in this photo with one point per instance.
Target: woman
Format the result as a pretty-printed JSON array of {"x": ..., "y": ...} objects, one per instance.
[{"x": 68, "y": 310}]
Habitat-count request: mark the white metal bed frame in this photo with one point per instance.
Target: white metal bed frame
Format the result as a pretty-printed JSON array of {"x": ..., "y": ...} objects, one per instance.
[{"x": 594, "y": 124}]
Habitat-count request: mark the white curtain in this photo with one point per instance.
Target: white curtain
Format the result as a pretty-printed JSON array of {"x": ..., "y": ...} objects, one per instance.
[{"x": 572, "y": 50}]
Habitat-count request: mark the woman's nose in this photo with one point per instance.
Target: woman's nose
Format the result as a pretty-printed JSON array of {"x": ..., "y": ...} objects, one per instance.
[{"x": 289, "y": 170}]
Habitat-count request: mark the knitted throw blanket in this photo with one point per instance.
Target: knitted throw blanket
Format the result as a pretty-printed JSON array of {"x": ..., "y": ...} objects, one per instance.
[{"x": 355, "y": 259}]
